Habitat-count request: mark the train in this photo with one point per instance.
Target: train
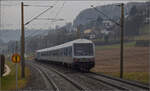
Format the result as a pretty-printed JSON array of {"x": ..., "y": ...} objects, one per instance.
[{"x": 79, "y": 53}]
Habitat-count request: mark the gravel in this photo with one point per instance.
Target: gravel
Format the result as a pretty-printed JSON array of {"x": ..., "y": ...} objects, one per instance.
[
  {"x": 91, "y": 84},
  {"x": 35, "y": 81}
]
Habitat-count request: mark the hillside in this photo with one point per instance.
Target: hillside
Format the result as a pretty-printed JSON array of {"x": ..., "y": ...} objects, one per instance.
[
  {"x": 102, "y": 27},
  {"x": 111, "y": 10}
]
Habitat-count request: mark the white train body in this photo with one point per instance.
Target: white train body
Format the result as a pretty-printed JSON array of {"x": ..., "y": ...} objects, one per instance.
[{"x": 79, "y": 53}]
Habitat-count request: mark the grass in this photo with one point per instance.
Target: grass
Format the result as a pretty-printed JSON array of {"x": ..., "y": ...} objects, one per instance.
[
  {"x": 141, "y": 77},
  {"x": 144, "y": 33},
  {"x": 145, "y": 29},
  {"x": 143, "y": 37},
  {"x": 30, "y": 56},
  {"x": 9, "y": 82},
  {"x": 131, "y": 44}
]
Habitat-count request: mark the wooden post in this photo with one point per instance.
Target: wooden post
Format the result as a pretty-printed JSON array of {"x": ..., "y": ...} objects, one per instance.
[
  {"x": 121, "y": 40},
  {"x": 79, "y": 32},
  {"x": 22, "y": 42},
  {"x": 2, "y": 65}
]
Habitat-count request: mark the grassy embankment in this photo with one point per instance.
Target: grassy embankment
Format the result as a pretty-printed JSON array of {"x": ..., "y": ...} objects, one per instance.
[
  {"x": 107, "y": 47},
  {"x": 9, "y": 82},
  {"x": 142, "y": 77},
  {"x": 145, "y": 33}
]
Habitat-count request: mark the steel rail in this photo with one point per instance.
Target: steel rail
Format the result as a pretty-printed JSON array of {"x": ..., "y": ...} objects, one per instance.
[
  {"x": 48, "y": 80},
  {"x": 79, "y": 86},
  {"x": 84, "y": 88},
  {"x": 122, "y": 80},
  {"x": 108, "y": 83},
  {"x": 128, "y": 85}
]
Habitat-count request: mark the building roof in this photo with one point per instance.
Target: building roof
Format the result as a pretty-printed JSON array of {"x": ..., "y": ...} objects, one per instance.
[
  {"x": 87, "y": 31},
  {"x": 65, "y": 45}
]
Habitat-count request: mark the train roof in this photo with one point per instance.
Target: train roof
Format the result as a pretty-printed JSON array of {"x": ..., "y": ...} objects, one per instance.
[{"x": 67, "y": 44}]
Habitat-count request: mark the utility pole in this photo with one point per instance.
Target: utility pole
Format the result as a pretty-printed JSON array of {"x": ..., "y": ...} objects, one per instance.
[
  {"x": 78, "y": 32},
  {"x": 121, "y": 39},
  {"x": 16, "y": 67},
  {"x": 16, "y": 49},
  {"x": 22, "y": 42},
  {"x": 121, "y": 34}
]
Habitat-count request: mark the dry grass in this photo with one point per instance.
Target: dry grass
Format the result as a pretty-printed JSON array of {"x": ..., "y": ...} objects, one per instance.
[{"x": 136, "y": 63}]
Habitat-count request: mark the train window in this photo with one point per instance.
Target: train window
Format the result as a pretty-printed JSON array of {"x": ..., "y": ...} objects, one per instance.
[
  {"x": 49, "y": 53},
  {"x": 56, "y": 52},
  {"x": 70, "y": 51},
  {"x": 60, "y": 52},
  {"x": 66, "y": 51},
  {"x": 38, "y": 54},
  {"x": 42, "y": 54},
  {"x": 63, "y": 52},
  {"x": 83, "y": 49}
]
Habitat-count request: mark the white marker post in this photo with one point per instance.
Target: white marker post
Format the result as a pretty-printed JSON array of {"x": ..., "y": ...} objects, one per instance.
[
  {"x": 16, "y": 73},
  {"x": 16, "y": 59},
  {"x": 16, "y": 76}
]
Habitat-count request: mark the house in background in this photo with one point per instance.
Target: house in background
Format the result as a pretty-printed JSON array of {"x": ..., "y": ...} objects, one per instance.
[{"x": 89, "y": 34}]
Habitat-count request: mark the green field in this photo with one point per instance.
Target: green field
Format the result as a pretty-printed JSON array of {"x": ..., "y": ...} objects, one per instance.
[{"x": 9, "y": 82}]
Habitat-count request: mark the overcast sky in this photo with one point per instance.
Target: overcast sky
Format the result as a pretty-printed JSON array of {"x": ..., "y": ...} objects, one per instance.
[{"x": 67, "y": 10}]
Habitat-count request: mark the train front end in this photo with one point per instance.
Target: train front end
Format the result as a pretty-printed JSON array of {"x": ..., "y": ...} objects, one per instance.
[{"x": 84, "y": 55}]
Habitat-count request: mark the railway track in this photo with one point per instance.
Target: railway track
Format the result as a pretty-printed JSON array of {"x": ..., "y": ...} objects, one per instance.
[
  {"x": 89, "y": 84},
  {"x": 116, "y": 82},
  {"x": 48, "y": 81},
  {"x": 73, "y": 82}
]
